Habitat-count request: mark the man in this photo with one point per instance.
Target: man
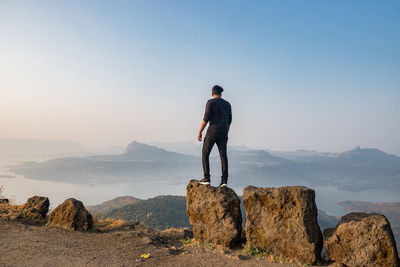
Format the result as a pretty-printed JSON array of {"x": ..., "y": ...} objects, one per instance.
[{"x": 219, "y": 115}]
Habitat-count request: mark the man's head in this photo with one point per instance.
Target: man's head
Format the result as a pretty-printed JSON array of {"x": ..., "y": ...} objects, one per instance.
[{"x": 217, "y": 90}]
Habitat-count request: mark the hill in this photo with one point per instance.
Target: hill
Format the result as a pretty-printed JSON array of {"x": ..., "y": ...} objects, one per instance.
[
  {"x": 160, "y": 212},
  {"x": 139, "y": 151},
  {"x": 327, "y": 221},
  {"x": 112, "y": 204}
]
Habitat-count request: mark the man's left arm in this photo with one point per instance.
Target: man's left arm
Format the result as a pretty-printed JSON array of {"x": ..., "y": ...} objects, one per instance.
[{"x": 229, "y": 118}]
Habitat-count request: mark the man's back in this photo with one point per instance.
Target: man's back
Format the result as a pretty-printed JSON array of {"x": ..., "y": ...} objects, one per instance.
[{"x": 219, "y": 115}]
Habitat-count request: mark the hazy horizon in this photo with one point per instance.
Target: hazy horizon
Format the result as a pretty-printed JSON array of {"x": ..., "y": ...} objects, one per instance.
[
  {"x": 154, "y": 143},
  {"x": 312, "y": 75}
]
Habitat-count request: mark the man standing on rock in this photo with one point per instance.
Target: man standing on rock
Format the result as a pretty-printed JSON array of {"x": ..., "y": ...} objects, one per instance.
[{"x": 219, "y": 115}]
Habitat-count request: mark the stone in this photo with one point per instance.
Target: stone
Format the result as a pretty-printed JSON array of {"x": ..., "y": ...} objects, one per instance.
[
  {"x": 362, "y": 239},
  {"x": 147, "y": 240},
  {"x": 71, "y": 215},
  {"x": 214, "y": 213},
  {"x": 283, "y": 222},
  {"x": 4, "y": 201},
  {"x": 36, "y": 208}
]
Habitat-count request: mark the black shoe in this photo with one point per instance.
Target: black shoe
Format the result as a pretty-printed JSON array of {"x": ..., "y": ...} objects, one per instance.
[
  {"x": 205, "y": 181},
  {"x": 223, "y": 184}
]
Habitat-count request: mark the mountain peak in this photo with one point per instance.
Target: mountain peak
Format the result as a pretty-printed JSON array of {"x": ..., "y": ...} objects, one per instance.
[
  {"x": 135, "y": 146},
  {"x": 136, "y": 150},
  {"x": 359, "y": 151},
  {"x": 370, "y": 155}
]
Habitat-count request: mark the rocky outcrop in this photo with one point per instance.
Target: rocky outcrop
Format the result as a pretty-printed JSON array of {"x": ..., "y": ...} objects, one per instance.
[
  {"x": 36, "y": 208},
  {"x": 362, "y": 239},
  {"x": 283, "y": 222},
  {"x": 214, "y": 213},
  {"x": 33, "y": 211},
  {"x": 71, "y": 215}
]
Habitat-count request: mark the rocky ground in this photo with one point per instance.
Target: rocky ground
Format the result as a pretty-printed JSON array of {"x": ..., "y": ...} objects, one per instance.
[
  {"x": 282, "y": 221},
  {"x": 37, "y": 245}
]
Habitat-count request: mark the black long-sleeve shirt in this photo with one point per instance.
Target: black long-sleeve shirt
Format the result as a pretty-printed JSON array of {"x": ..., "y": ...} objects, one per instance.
[{"x": 219, "y": 114}]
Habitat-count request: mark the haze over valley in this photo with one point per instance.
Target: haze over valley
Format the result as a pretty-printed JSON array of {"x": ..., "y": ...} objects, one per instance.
[{"x": 148, "y": 170}]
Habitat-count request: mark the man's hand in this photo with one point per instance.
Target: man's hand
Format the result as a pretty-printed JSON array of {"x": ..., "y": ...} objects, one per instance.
[{"x": 203, "y": 124}]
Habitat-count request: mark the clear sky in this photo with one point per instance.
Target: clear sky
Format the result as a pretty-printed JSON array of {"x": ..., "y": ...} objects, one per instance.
[{"x": 320, "y": 75}]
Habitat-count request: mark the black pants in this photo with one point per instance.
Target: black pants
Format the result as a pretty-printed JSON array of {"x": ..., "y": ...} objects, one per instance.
[{"x": 208, "y": 144}]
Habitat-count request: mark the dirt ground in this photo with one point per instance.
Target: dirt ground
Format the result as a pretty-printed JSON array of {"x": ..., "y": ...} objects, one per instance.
[{"x": 32, "y": 245}]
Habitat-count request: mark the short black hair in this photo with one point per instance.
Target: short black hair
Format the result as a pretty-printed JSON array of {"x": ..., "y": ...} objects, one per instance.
[{"x": 217, "y": 90}]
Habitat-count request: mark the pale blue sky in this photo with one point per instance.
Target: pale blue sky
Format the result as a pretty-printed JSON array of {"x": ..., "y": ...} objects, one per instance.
[{"x": 320, "y": 75}]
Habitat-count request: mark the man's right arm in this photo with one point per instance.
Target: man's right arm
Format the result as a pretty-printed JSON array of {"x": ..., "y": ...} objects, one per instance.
[
  {"x": 206, "y": 118},
  {"x": 203, "y": 125}
]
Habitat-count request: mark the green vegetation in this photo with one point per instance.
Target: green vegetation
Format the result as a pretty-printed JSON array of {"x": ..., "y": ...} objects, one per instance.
[
  {"x": 247, "y": 249},
  {"x": 280, "y": 258},
  {"x": 209, "y": 245},
  {"x": 187, "y": 241},
  {"x": 160, "y": 212}
]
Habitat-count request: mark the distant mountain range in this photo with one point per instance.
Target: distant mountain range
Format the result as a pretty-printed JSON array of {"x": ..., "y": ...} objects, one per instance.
[
  {"x": 138, "y": 162},
  {"x": 353, "y": 170},
  {"x": 190, "y": 148}
]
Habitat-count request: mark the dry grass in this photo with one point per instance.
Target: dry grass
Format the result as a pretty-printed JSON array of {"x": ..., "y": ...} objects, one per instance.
[
  {"x": 11, "y": 212},
  {"x": 1, "y": 191},
  {"x": 110, "y": 224}
]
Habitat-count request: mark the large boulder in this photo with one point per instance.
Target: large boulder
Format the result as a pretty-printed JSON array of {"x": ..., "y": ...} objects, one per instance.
[
  {"x": 214, "y": 213},
  {"x": 71, "y": 215},
  {"x": 362, "y": 239},
  {"x": 36, "y": 208},
  {"x": 283, "y": 222}
]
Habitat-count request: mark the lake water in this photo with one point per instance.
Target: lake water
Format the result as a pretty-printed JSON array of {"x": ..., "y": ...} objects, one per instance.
[{"x": 20, "y": 188}]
